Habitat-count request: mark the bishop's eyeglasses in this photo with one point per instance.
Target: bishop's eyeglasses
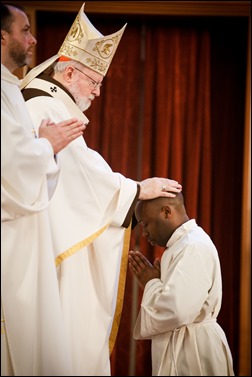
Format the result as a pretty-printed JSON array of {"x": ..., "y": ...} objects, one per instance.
[{"x": 94, "y": 83}]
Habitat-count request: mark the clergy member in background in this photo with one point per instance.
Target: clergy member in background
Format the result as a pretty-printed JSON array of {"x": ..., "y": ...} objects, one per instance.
[{"x": 33, "y": 341}]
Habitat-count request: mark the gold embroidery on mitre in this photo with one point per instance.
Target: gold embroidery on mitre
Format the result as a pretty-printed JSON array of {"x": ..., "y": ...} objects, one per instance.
[
  {"x": 106, "y": 48},
  {"x": 88, "y": 46},
  {"x": 96, "y": 65},
  {"x": 74, "y": 35},
  {"x": 84, "y": 44},
  {"x": 76, "y": 32}
]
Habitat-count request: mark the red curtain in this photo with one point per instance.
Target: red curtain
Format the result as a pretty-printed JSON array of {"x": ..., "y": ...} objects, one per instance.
[{"x": 172, "y": 104}]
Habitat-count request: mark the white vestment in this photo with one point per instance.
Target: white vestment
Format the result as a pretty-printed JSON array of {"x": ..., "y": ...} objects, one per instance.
[
  {"x": 179, "y": 310},
  {"x": 87, "y": 212},
  {"x": 32, "y": 339}
]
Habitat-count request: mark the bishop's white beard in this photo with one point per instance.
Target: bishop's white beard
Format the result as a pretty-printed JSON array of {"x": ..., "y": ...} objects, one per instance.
[{"x": 82, "y": 102}]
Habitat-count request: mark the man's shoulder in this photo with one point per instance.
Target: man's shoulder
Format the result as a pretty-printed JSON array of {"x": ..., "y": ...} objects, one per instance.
[{"x": 29, "y": 93}]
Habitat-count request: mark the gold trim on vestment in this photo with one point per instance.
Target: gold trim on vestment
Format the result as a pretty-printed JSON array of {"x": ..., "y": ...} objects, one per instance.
[
  {"x": 121, "y": 288},
  {"x": 3, "y": 326},
  {"x": 72, "y": 250}
]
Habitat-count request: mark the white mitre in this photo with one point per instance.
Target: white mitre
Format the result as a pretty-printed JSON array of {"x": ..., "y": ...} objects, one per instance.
[{"x": 85, "y": 44}]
